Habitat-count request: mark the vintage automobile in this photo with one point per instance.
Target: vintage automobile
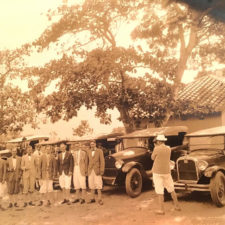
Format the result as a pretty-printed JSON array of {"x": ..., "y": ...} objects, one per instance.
[
  {"x": 4, "y": 154},
  {"x": 109, "y": 143},
  {"x": 131, "y": 166},
  {"x": 203, "y": 168}
]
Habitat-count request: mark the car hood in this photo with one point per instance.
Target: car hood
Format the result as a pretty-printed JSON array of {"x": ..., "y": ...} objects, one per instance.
[
  {"x": 203, "y": 155},
  {"x": 130, "y": 153}
]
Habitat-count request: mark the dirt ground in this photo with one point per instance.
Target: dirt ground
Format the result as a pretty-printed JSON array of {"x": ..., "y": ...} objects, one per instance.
[{"x": 118, "y": 208}]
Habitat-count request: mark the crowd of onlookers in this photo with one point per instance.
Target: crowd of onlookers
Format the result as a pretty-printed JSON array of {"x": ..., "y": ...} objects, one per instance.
[{"x": 29, "y": 170}]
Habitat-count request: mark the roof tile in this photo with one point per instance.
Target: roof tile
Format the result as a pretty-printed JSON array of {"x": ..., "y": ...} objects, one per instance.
[{"x": 207, "y": 90}]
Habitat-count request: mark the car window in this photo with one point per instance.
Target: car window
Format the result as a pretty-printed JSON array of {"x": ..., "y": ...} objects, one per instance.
[{"x": 135, "y": 142}]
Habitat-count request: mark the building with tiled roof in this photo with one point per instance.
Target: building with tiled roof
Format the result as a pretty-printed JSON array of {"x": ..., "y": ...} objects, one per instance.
[{"x": 206, "y": 91}]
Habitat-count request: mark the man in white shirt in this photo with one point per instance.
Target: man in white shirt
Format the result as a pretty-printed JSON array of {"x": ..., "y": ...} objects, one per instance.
[
  {"x": 29, "y": 165},
  {"x": 80, "y": 172}
]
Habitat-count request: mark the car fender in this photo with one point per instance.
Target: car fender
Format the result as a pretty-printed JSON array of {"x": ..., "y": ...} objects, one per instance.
[
  {"x": 128, "y": 166},
  {"x": 211, "y": 171}
]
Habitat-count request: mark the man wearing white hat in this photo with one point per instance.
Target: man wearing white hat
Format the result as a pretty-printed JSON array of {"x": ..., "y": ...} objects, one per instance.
[{"x": 161, "y": 172}]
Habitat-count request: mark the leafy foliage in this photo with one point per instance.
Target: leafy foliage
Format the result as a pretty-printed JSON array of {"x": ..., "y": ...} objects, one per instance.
[
  {"x": 95, "y": 72},
  {"x": 83, "y": 129},
  {"x": 15, "y": 106}
]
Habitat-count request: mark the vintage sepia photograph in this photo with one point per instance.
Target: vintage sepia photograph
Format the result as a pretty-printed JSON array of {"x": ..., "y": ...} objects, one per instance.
[{"x": 112, "y": 112}]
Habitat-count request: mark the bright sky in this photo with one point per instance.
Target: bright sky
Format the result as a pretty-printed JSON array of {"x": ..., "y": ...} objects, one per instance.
[{"x": 23, "y": 21}]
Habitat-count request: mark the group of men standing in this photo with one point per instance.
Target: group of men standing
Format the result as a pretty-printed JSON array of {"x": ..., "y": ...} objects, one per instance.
[{"x": 82, "y": 163}]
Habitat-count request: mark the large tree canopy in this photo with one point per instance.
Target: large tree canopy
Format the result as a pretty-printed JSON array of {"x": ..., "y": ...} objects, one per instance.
[{"x": 96, "y": 72}]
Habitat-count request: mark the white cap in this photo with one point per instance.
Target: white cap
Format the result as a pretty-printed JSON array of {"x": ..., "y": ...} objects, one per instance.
[{"x": 161, "y": 137}]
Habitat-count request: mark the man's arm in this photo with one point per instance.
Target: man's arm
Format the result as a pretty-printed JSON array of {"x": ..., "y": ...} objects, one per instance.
[
  {"x": 23, "y": 163},
  {"x": 154, "y": 153},
  {"x": 71, "y": 164},
  {"x": 4, "y": 172},
  {"x": 102, "y": 162}
]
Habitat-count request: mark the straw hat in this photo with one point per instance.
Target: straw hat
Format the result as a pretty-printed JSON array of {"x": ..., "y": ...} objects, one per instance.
[{"x": 161, "y": 137}]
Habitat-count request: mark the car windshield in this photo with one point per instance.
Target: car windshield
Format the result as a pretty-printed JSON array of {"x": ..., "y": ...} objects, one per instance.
[
  {"x": 135, "y": 142},
  {"x": 206, "y": 143}
]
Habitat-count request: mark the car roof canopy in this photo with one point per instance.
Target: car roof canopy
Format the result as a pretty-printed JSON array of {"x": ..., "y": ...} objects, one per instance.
[
  {"x": 153, "y": 132},
  {"x": 206, "y": 132},
  {"x": 111, "y": 135},
  {"x": 86, "y": 138},
  {"x": 51, "y": 142},
  {"x": 28, "y": 138}
]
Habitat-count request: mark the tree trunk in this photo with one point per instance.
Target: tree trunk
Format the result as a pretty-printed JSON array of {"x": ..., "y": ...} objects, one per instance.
[
  {"x": 127, "y": 121},
  {"x": 185, "y": 53}
]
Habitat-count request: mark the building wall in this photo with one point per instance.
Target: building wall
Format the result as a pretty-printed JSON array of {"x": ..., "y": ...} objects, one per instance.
[{"x": 195, "y": 124}]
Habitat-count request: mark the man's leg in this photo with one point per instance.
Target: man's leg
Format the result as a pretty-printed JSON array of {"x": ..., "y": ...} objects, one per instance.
[
  {"x": 25, "y": 191},
  {"x": 76, "y": 185},
  {"x": 67, "y": 195},
  {"x": 49, "y": 194},
  {"x": 98, "y": 185},
  {"x": 68, "y": 187},
  {"x": 10, "y": 192},
  {"x": 11, "y": 200},
  {"x": 159, "y": 189},
  {"x": 91, "y": 186},
  {"x": 83, "y": 196},
  {"x": 175, "y": 201},
  {"x": 31, "y": 189},
  {"x": 42, "y": 192},
  {"x": 77, "y": 195},
  {"x": 1, "y": 207},
  {"x": 169, "y": 185},
  {"x": 62, "y": 186},
  {"x": 161, "y": 204}
]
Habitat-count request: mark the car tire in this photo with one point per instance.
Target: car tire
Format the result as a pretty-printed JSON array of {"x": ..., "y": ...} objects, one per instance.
[
  {"x": 217, "y": 189},
  {"x": 133, "y": 182}
]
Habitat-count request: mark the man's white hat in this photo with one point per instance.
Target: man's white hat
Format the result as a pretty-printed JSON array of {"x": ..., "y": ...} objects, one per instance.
[{"x": 161, "y": 137}]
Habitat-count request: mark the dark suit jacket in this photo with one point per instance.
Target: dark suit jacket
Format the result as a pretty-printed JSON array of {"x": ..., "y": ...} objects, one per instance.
[
  {"x": 2, "y": 170},
  {"x": 13, "y": 174},
  {"x": 47, "y": 171},
  {"x": 96, "y": 162},
  {"x": 65, "y": 164}
]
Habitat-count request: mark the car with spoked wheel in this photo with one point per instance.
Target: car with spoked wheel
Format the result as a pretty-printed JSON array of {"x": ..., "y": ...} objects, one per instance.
[
  {"x": 203, "y": 168},
  {"x": 131, "y": 166}
]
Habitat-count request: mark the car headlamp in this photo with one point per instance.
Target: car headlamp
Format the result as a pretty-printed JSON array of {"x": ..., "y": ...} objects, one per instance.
[
  {"x": 172, "y": 164},
  {"x": 202, "y": 165},
  {"x": 119, "y": 164}
]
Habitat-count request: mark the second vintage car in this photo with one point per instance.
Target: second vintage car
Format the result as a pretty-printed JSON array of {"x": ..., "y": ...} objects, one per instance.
[
  {"x": 203, "y": 168},
  {"x": 131, "y": 166}
]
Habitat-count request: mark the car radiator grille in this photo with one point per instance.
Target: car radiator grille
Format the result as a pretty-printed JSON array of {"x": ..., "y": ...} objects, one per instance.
[{"x": 187, "y": 170}]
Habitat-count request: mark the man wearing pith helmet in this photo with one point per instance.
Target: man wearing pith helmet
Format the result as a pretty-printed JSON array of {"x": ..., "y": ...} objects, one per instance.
[{"x": 161, "y": 172}]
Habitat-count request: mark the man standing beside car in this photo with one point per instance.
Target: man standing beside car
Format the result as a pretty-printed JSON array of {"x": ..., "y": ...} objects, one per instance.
[
  {"x": 14, "y": 173},
  {"x": 80, "y": 171},
  {"x": 161, "y": 173},
  {"x": 65, "y": 169},
  {"x": 47, "y": 172},
  {"x": 96, "y": 167},
  {"x": 29, "y": 165}
]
